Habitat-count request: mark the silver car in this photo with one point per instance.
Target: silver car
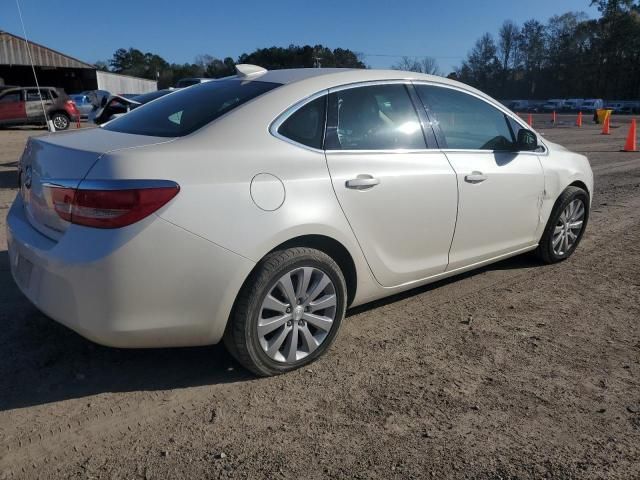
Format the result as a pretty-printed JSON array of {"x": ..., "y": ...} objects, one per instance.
[{"x": 256, "y": 209}]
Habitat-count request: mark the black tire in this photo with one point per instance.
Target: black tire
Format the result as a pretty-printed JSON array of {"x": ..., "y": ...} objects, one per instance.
[
  {"x": 61, "y": 121},
  {"x": 241, "y": 337},
  {"x": 545, "y": 250}
]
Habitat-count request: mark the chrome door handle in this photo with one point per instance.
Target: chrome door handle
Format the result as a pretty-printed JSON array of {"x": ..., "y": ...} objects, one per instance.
[
  {"x": 475, "y": 177},
  {"x": 362, "y": 182}
]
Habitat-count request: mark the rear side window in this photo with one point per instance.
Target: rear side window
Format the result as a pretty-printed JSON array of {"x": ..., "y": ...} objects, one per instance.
[
  {"x": 376, "y": 117},
  {"x": 466, "y": 122},
  {"x": 185, "y": 111},
  {"x": 306, "y": 125}
]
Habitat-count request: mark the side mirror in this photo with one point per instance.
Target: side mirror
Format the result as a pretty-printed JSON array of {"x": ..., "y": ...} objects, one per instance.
[{"x": 527, "y": 141}]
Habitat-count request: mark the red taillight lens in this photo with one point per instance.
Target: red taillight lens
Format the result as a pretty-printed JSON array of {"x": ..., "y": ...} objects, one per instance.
[
  {"x": 73, "y": 109},
  {"x": 109, "y": 208}
]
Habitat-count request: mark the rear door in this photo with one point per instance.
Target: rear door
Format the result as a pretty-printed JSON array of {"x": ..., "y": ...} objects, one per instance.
[
  {"x": 500, "y": 190},
  {"x": 399, "y": 197},
  {"x": 12, "y": 106},
  {"x": 34, "y": 102}
]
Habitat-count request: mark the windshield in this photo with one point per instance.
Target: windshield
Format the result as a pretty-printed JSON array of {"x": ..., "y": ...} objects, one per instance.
[{"x": 185, "y": 111}]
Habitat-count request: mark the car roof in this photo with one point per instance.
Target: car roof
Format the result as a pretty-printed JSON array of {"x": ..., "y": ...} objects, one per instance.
[
  {"x": 340, "y": 75},
  {"x": 326, "y": 78}
]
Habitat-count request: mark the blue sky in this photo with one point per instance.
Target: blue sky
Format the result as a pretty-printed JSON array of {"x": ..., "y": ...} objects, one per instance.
[{"x": 180, "y": 30}]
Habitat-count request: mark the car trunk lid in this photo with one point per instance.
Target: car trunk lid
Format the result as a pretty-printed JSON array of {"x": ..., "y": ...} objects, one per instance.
[{"x": 65, "y": 159}]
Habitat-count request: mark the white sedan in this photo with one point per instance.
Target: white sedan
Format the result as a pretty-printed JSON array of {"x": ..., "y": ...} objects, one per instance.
[{"x": 255, "y": 209}]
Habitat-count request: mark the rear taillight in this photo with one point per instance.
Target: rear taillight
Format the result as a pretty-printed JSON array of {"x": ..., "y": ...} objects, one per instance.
[
  {"x": 73, "y": 109},
  {"x": 109, "y": 208}
]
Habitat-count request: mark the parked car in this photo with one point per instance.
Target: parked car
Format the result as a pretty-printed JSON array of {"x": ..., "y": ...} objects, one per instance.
[
  {"x": 518, "y": 105},
  {"x": 572, "y": 104},
  {"x": 535, "y": 106},
  {"x": 256, "y": 209},
  {"x": 23, "y": 106},
  {"x": 83, "y": 104},
  {"x": 554, "y": 105},
  {"x": 615, "y": 106},
  {"x": 591, "y": 105},
  {"x": 117, "y": 105},
  {"x": 97, "y": 97},
  {"x": 627, "y": 109},
  {"x": 187, "y": 82}
]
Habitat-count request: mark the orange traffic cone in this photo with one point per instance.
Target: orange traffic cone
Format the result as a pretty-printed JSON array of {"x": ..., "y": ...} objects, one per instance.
[
  {"x": 606, "y": 127},
  {"x": 631, "y": 145},
  {"x": 530, "y": 120},
  {"x": 579, "y": 120}
]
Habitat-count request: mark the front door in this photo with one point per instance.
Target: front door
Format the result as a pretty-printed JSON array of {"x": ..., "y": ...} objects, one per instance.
[
  {"x": 399, "y": 198},
  {"x": 500, "y": 189},
  {"x": 12, "y": 107}
]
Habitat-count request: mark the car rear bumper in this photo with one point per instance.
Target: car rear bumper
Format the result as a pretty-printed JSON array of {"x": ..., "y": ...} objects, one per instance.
[{"x": 151, "y": 284}]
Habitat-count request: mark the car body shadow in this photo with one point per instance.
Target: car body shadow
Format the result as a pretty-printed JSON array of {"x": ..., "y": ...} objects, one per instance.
[
  {"x": 44, "y": 362},
  {"x": 520, "y": 262}
]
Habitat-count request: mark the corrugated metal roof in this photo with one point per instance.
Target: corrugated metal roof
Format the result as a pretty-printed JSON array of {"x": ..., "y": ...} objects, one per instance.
[{"x": 13, "y": 51}]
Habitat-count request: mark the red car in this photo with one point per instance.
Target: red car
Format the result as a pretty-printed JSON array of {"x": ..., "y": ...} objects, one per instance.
[{"x": 23, "y": 105}]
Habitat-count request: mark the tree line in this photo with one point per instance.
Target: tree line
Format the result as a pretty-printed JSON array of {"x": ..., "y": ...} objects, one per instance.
[
  {"x": 152, "y": 66},
  {"x": 570, "y": 56}
]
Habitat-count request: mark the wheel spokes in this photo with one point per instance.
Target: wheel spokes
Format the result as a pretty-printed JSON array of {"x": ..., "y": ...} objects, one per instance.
[
  {"x": 318, "y": 288},
  {"x": 318, "y": 321},
  {"x": 567, "y": 230},
  {"x": 266, "y": 326},
  {"x": 297, "y": 314},
  {"x": 286, "y": 286},
  {"x": 324, "y": 302}
]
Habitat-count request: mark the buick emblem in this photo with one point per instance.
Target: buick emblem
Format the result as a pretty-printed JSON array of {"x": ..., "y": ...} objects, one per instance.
[{"x": 28, "y": 177}]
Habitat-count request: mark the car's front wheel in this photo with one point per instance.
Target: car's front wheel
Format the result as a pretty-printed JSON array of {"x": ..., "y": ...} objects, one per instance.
[
  {"x": 288, "y": 312},
  {"x": 566, "y": 226},
  {"x": 60, "y": 121}
]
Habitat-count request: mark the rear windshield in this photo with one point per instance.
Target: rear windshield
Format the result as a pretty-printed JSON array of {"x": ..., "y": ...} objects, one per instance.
[
  {"x": 147, "y": 97},
  {"x": 185, "y": 111}
]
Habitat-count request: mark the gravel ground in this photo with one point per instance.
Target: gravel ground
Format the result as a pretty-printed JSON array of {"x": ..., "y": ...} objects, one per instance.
[{"x": 514, "y": 371}]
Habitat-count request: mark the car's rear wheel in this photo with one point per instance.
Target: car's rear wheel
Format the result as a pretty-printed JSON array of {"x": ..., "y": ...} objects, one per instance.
[
  {"x": 60, "y": 120},
  {"x": 288, "y": 313},
  {"x": 566, "y": 226}
]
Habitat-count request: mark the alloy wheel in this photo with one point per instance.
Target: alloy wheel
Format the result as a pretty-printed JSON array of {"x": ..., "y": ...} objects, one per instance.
[
  {"x": 297, "y": 314},
  {"x": 60, "y": 122},
  {"x": 568, "y": 228}
]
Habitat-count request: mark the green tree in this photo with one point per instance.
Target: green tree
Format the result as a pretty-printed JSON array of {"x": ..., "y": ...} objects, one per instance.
[{"x": 481, "y": 67}]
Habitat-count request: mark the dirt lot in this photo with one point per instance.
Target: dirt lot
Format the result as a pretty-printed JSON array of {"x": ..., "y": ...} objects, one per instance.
[{"x": 515, "y": 371}]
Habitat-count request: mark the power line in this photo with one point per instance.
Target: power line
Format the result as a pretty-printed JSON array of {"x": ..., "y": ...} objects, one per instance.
[
  {"x": 24, "y": 31},
  {"x": 392, "y": 55}
]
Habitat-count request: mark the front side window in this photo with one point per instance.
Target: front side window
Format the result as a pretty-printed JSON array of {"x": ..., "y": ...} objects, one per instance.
[
  {"x": 185, "y": 111},
  {"x": 466, "y": 122},
  {"x": 376, "y": 117},
  {"x": 306, "y": 125}
]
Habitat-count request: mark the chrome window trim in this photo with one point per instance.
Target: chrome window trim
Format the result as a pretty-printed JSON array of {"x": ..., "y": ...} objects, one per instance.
[
  {"x": 284, "y": 116},
  {"x": 399, "y": 151}
]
